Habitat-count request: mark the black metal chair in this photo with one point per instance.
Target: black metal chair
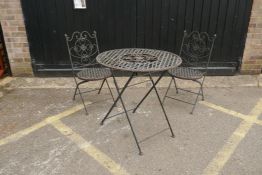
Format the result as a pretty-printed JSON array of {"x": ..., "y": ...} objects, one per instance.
[
  {"x": 196, "y": 50},
  {"x": 82, "y": 49}
]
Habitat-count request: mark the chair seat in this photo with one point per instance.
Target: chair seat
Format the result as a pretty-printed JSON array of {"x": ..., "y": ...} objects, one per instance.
[
  {"x": 186, "y": 73},
  {"x": 92, "y": 74}
]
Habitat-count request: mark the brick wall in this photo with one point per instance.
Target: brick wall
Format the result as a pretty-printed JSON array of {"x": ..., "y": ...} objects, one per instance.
[
  {"x": 13, "y": 26},
  {"x": 252, "y": 58}
]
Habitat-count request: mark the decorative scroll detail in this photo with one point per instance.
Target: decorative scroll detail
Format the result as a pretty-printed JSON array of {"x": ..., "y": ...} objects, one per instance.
[
  {"x": 83, "y": 48},
  {"x": 139, "y": 58},
  {"x": 196, "y": 47}
]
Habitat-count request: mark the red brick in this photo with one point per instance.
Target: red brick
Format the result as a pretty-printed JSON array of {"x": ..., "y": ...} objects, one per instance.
[{"x": 252, "y": 63}]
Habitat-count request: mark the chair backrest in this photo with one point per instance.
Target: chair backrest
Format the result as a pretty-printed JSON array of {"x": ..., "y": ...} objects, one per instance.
[
  {"x": 196, "y": 49},
  {"x": 82, "y": 49}
]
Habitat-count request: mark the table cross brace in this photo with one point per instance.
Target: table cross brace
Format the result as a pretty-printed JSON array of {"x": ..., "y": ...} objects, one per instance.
[{"x": 120, "y": 93}]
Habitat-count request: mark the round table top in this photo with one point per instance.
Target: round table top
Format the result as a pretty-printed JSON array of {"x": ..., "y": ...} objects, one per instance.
[{"x": 139, "y": 60}]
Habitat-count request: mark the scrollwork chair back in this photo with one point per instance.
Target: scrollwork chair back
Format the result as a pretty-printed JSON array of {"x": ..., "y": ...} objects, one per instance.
[
  {"x": 82, "y": 49},
  {"x": 196, "y": 49}
]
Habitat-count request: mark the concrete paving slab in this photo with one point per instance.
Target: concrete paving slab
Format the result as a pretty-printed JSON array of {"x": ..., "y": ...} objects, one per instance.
[
  {"x": 198, "y": 137},
  {"x": 232, "y": 81},
  {"x": 260, "y": 117},
  {"x": 239, "y": 99},
  {"x": 20, "y": 109},
  {"x": 212, "y": 81},
  {"x": 247, "y": 158},
  {"x": 260, "y": 80},
  {"x": 46, "y": 152},
  {"x": 6, "y": 80}
]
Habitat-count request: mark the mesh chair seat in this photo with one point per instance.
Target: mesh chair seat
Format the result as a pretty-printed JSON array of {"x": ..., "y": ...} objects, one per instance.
[
  {"x": 186, "y": 73},
  {"x": 91, "y": 74}
]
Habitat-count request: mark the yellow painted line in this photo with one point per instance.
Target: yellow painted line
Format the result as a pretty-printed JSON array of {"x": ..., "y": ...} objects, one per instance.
[
  {"x": 257, "y": 110},
  {"x": 222, "y": 109},
  {"x": 16, "y": 136},
  {"x": 227, "y": 150},
  {"x": 22, "y": 133},
  {"x": 92, "y": 151},
  {"x": 259, "y": 122},
  {"x": 221, "y": 158},
  {"x": 247, "y": 118}
]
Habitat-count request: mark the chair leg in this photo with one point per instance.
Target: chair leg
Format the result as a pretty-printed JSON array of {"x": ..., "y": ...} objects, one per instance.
[
  {"x": 83, "y": 101},
  {"x": 101, "y": 86},
  {"x": 109, "y": 90},
  {"x": 175, "y": 84},
  {"x": 163, "y": 101},
  {"x": 77, "y": 88},
  {"x": 199, "y": 92},
  {"x": 74, "y": 97},
  {"x": 202, "y": 92},
  {"x": 79, "y": 91},
  {"x": 201, "y": 87}
]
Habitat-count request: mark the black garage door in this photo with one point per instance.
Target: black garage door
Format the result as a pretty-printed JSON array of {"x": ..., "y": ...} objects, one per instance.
[{"x": 155, "y": 24}]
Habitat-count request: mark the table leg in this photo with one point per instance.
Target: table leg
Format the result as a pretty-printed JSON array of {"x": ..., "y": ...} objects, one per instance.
[
  {"x": 118, "y": 97},
  {"x": 126, "y": 112},
  {"x": 162, "y": 74},
  {"x": 163, "y": 109}
]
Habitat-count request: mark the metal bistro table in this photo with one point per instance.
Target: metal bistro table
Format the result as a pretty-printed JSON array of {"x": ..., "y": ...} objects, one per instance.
[{"x": 136, "y": 61}]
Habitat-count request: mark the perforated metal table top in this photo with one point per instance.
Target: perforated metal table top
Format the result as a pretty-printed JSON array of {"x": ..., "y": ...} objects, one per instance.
[{"x": 139, "y": 60}]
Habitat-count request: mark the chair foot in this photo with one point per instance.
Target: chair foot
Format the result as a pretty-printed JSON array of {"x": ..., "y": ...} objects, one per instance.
[
  {"x": 173, "y": 136},
  {"x": 191, "y": 113},
  {"x": 140, "y": 153},
  {"x": 86, "y": 111},
  {"x": 74, "y": 97},
  {"x": 84, "y": 105}
]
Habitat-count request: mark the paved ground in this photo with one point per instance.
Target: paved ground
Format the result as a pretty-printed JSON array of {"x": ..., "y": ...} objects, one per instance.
[{"x": 42, "y": 131}]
